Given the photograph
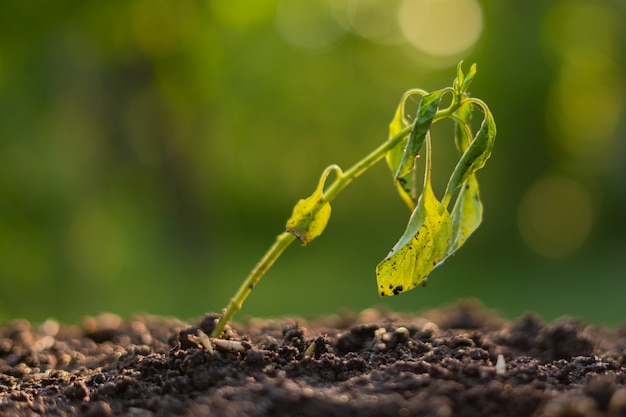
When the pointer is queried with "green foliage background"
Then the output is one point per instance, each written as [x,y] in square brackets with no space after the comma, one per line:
[150,151]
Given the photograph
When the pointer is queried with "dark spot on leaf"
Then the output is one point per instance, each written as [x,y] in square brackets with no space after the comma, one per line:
[397,290]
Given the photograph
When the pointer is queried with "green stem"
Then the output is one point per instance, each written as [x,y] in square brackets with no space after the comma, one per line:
[285,239]
[282,242]
[363,165]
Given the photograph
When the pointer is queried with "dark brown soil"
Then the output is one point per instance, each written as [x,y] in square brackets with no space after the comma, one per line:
[439,364]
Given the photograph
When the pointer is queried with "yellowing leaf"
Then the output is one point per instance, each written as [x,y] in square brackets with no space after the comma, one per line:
[310,215]
[394,157]
[422,246]
[309,218]
[433,233]
[467,214]
[406,266]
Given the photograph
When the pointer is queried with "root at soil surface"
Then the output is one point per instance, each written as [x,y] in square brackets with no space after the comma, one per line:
[375,363]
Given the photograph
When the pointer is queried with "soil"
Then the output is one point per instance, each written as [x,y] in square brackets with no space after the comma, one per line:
[377,363]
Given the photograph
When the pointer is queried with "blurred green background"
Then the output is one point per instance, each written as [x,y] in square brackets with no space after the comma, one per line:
[151,150]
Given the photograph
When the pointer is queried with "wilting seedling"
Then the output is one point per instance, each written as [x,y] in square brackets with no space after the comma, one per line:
[434,231]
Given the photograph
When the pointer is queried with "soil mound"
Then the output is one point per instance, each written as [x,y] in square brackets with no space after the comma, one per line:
[377,363]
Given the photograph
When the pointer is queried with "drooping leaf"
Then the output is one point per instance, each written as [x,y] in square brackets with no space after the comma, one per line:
[310,215]
[462,129]
[476,154]
[404,184]
[467,211]
[467,214]
[422,246]
[421,125]
[433,233]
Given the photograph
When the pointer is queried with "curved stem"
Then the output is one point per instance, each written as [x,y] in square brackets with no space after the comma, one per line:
[360,167]
[282,242]
[285,239]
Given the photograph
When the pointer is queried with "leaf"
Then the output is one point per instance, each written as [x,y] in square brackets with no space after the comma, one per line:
[310,216]
[476,154]
[423,119]
[462,81]
[394,156]
[433,233]
[468,210]
[469,77]
[467,214]
[422,246]
[462,131]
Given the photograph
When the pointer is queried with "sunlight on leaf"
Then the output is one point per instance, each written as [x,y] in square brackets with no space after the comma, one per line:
[310,216]
[467,215]
[422,246]
[468,210]
[404,184]
[433,233]
[462,81]
[423,119]
[476,154]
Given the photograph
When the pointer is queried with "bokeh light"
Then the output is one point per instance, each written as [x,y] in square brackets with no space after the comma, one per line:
[307,24]
[243,14]
[586,100]
[375,20]
[585,106]
[441,28]
[555,216]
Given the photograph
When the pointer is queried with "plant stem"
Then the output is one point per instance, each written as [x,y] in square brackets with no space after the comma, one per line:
[282,242]
[285,239]
[363,165]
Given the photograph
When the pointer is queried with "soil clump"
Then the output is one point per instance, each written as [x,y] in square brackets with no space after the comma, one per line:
[376,363]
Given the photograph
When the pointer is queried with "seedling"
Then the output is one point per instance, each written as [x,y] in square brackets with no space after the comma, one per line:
[433,232]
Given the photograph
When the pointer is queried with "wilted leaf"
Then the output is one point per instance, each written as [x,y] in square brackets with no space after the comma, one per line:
[394,157]
[423,120]
[433,233]
[476,154]
[467,215]
[422,246]
[310,216]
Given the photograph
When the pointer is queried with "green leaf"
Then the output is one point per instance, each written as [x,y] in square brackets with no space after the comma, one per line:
[467,211]
[393,157]
[467,214]
[423,244]
[476,154]
[469,77]
[423,119]
[310,216]
[462,81]
[462,130]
